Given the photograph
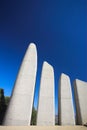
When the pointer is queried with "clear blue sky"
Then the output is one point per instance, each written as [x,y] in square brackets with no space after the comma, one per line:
[57,27]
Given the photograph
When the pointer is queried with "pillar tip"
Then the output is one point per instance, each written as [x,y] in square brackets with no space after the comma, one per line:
[32,44]
[63,74]
[45,63]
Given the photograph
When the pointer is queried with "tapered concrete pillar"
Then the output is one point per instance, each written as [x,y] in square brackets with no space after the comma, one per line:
[80,90]
[46,113]
[20,107]
[66,110]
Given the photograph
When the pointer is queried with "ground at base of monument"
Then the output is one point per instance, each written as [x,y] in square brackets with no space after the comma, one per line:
[43,128]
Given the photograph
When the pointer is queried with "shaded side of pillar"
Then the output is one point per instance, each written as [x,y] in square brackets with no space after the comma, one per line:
[46,107]
[20,107]
[80,92]
[65,104]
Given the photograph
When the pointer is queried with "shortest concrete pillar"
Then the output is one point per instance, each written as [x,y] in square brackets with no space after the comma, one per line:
[66,110]
[80,90]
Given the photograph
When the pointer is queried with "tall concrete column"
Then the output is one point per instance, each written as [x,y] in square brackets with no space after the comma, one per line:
[46,107]
[20,107]
[66,110]
[80,90]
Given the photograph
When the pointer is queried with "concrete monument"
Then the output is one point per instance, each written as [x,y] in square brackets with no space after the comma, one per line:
[46,113]
[80,90]
[20,107]
[66,111]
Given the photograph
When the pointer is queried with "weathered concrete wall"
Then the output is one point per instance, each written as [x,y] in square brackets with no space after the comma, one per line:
[65,105]
[20,107]
[80,90]
[46,107]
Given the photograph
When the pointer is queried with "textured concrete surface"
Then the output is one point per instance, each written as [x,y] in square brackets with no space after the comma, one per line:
[43,128]
[20,107]
[80,89]
[46,107]
[66,110]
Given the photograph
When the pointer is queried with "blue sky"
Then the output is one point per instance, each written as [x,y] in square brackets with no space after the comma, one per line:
[58,28]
